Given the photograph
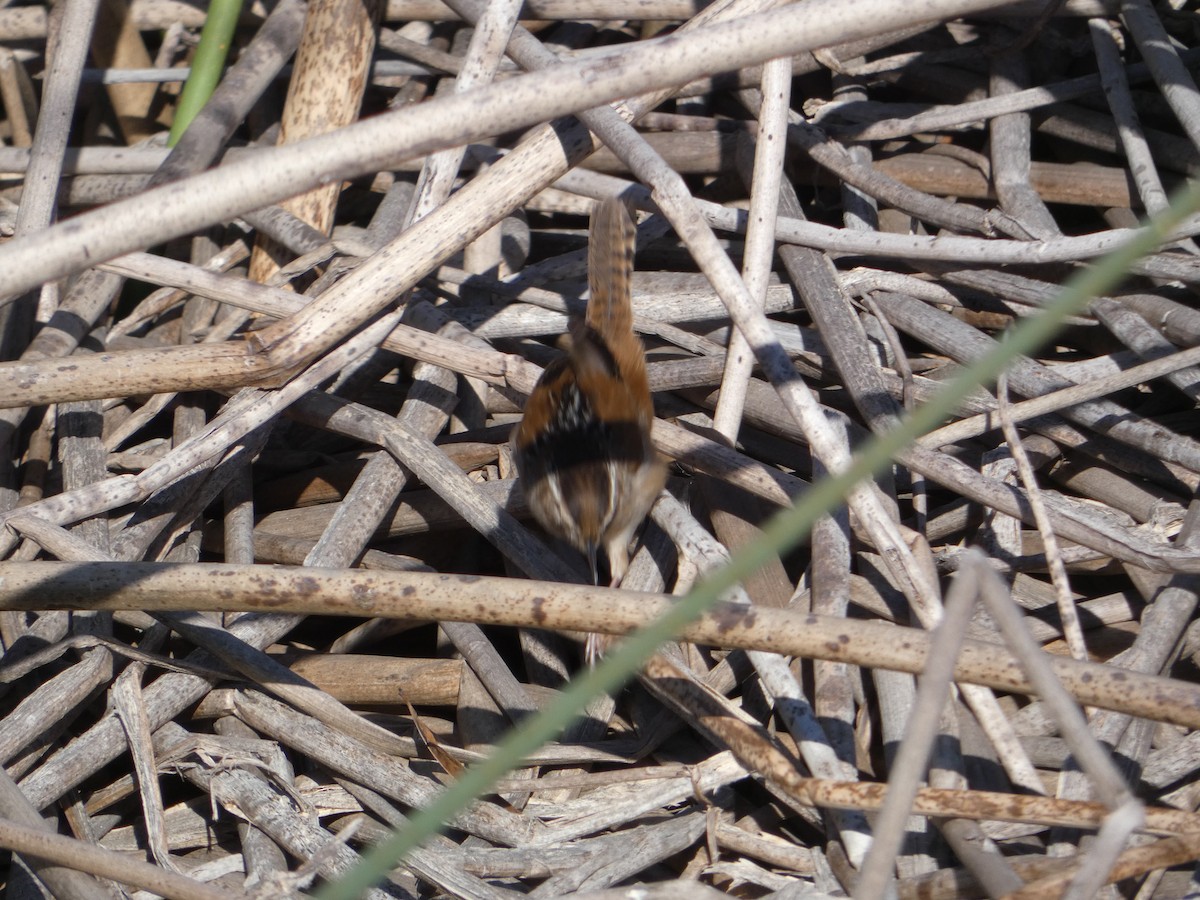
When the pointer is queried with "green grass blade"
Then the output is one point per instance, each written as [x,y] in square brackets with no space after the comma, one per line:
[784,531]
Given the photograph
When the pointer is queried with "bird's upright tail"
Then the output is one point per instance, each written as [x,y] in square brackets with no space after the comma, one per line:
[611,239]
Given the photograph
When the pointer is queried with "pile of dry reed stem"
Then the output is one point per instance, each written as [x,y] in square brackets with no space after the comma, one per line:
[303,335]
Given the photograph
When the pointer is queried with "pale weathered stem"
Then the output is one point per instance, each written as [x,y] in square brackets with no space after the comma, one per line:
[1067,612]
[912,759]
[760,236]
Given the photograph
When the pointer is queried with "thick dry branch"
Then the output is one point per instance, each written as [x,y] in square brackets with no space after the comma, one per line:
[379,142]
[497,601]
[119,867]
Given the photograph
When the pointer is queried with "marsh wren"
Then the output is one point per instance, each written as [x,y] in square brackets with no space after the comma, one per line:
[583,448]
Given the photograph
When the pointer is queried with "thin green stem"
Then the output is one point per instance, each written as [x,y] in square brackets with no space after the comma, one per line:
[207,64]
[784,531]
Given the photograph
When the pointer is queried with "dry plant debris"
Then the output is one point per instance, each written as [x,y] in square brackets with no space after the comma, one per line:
[269,579]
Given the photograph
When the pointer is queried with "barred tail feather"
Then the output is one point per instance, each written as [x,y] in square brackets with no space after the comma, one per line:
[610,271]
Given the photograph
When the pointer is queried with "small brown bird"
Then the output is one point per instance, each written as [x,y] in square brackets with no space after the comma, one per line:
[583,449]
